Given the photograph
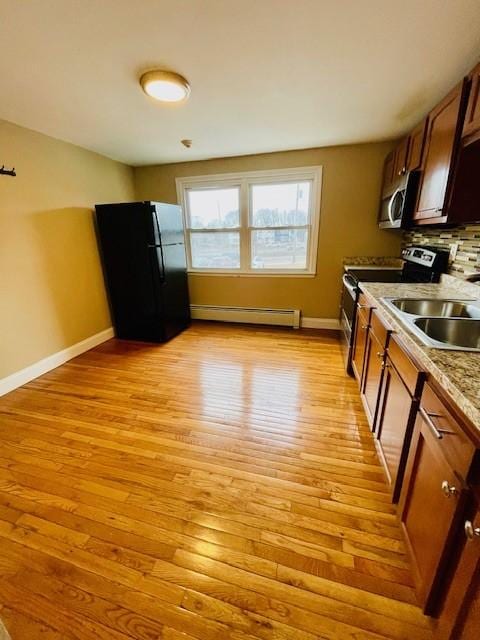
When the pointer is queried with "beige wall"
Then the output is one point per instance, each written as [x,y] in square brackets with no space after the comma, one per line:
[51,286]
[350,194]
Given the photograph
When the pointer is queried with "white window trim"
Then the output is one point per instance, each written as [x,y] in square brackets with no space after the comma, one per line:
[242,180]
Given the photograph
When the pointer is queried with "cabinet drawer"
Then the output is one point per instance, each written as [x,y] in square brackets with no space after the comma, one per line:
[379,330]
[455,444]
[404,365]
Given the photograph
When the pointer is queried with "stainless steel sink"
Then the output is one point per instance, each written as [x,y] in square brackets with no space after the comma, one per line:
[440,323]
[437,308]
[451,333]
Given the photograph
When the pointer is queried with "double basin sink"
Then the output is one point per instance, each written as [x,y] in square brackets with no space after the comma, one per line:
[443,324]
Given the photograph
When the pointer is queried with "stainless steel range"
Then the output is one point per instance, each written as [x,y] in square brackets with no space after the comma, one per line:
[421,264]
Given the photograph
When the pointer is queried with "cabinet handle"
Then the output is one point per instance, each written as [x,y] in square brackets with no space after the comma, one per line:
[439,433]
[365,326]
[448,490]
[379,354]
[439,210]
[471,532]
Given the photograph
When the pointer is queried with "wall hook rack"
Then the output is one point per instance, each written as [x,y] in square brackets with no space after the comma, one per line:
[7,172]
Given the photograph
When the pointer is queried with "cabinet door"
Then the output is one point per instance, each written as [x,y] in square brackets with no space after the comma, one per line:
[360,339]
[401,152]
[431,501]
[472,118]
[388,173]
[468,623]
[460,615]
[394,425]
[372,376]
[415,148]
[440,150]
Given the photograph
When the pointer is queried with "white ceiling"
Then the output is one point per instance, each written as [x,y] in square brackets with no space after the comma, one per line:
[266,75]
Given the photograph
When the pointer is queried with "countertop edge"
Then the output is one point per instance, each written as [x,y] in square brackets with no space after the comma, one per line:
[420,353]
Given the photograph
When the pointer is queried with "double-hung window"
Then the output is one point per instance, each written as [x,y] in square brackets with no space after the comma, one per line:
[263,222]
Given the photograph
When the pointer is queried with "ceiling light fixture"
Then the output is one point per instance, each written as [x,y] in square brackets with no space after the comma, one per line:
[165,86]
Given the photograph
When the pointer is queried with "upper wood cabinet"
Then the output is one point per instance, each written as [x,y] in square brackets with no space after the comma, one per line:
[401,153]
[415,147]
[395,166]
[471,127]
[445,149]
[388,173]
[441,147]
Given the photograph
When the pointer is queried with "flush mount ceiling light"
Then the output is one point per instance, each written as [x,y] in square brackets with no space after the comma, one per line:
[165,86]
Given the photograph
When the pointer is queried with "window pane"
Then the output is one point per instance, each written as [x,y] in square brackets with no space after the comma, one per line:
[279,249]
[275,205]
[217,250]
[214,208]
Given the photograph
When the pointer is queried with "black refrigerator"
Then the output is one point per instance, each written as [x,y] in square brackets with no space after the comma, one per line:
[143,254]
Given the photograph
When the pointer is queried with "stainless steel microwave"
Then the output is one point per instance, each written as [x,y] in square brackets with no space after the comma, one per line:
[396,209]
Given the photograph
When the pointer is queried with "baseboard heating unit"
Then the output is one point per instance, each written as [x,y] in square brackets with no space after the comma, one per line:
[282,317]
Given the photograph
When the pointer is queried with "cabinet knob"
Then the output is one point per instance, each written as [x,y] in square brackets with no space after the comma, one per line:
[471,532]
[448,490]
[365,326]
[379,354]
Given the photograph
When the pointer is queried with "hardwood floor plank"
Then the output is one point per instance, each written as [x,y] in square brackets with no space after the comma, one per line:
[221,486]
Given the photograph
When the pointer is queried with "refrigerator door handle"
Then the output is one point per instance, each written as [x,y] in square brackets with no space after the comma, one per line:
[163,265]
[160,262]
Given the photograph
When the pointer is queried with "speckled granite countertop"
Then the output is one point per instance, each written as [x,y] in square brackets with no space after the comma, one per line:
[458,372]
[369,261]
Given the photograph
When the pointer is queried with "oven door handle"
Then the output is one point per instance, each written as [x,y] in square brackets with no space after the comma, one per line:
[349,285]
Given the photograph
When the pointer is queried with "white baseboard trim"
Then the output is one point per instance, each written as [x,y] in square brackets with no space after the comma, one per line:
[23,376]
[320,323]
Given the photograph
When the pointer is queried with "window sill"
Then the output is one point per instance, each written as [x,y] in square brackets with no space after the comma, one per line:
[245,274]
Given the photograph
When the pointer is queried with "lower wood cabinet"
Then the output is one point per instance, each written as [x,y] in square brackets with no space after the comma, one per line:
[431,455]
[398,404]
[360,339]
[433,496]
[375,345]
[460,614]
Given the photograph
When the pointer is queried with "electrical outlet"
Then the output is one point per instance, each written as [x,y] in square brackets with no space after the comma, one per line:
[453,251]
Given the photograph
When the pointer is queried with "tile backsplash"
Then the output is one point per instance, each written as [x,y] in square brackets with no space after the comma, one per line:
[467,260]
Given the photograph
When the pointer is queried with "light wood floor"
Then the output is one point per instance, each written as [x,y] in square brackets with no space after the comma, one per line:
[222,486]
